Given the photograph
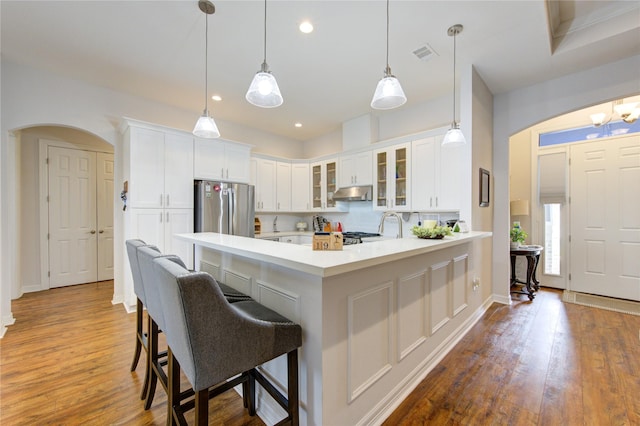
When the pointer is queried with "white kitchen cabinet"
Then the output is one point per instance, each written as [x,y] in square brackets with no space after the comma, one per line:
[158,226]
[263,177]
[160,166]
[300,187]
[217,159]
[283,186]
[356,169]
[323,185]
[436,175]
[392,178]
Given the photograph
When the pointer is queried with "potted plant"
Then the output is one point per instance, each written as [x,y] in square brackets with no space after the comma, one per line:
[518,236]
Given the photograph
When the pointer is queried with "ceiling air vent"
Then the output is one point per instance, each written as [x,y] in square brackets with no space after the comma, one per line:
[424,53]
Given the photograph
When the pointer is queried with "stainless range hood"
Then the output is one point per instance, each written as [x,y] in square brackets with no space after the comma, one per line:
[353,193]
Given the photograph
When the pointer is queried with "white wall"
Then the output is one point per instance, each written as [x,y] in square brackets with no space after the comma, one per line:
[519,109]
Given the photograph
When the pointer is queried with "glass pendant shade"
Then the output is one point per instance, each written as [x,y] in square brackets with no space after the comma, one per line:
[206,127]
[264,91]
[388,94]
[454,137]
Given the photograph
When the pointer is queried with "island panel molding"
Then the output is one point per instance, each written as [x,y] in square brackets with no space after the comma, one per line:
[369,317]
[413,319]
[460,281]
[440,292]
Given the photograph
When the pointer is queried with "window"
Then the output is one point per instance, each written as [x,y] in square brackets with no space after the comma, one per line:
[552,239]
[614,128]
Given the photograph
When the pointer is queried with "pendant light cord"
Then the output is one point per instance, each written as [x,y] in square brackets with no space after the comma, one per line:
[387,70]
[206,63]
[454,77]
[265,32]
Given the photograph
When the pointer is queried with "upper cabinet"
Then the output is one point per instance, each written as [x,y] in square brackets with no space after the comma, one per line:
[392,178]
[263,177]
[283,186]
[217,159]
[436,174]
[356,169]
[300,187]
[324,175]
[160,168]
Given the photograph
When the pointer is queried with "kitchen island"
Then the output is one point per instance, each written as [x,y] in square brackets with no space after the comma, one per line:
[376,317]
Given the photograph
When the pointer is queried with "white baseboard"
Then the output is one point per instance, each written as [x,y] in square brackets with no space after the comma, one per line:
[32,288]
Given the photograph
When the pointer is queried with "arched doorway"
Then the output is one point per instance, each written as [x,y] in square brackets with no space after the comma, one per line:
[32,209]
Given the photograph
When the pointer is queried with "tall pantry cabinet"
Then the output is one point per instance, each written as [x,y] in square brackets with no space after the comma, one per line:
[158,169]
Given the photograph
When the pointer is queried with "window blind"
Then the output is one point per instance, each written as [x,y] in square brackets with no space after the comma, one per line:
[552,178]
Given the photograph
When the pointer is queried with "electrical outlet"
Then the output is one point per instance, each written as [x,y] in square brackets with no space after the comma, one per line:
[476,283]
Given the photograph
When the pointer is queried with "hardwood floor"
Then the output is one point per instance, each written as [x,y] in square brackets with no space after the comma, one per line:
[66,362]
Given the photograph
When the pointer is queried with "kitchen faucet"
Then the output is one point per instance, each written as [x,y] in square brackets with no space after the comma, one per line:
[386,215]
[275,224]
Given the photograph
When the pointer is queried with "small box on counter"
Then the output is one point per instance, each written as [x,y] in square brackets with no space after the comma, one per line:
[327,241]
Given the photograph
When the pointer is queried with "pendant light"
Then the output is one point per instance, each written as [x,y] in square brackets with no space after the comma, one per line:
[264,91]
[454,136]
[205,126]
[389,93]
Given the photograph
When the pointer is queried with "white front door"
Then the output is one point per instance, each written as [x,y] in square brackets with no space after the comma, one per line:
[104,177]
[72,216]
[605,218]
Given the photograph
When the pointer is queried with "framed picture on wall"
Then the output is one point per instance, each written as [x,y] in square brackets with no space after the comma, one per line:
[485,180]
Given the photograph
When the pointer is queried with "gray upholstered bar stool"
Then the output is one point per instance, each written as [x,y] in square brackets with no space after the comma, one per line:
[212,341]
[142,340]
[156,321]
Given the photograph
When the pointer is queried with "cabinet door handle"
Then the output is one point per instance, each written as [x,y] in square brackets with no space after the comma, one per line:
[222,172]
[430,201]
[436,201]
[160,217]
[227,173]
[161,200]
[278,206]
[101,231]
[93,231]
[167,217]
[167,200]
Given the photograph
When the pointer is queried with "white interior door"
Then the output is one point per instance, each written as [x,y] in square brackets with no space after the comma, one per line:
[605,223]
[72,216]
[104,178]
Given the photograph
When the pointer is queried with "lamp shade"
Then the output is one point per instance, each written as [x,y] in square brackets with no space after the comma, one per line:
[519,208]
[206,127]
[264,91]
[388,94]
[454,137]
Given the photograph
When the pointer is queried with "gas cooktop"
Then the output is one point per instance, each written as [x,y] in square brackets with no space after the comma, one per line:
[356,237]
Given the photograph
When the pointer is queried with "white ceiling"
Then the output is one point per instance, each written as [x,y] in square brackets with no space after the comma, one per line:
[155,49]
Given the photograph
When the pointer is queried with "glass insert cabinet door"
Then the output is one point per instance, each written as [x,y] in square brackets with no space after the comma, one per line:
[392,168]
[316,182]
[331,184]
[381,178]
[400,177]
[323,184]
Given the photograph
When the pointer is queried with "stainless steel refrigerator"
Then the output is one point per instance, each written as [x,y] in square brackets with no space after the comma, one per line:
[223,207]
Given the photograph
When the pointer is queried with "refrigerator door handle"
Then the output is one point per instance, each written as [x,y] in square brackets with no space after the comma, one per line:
[232,203]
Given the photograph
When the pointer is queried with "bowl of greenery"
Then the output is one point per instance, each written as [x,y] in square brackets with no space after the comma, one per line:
[435,233]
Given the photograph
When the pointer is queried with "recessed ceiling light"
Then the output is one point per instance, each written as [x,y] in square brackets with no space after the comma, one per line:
[298,124]
[306,27]
[216,98]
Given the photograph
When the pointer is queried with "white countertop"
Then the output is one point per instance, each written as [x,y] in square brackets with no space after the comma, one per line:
[327,263]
